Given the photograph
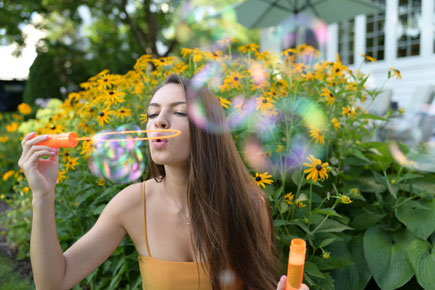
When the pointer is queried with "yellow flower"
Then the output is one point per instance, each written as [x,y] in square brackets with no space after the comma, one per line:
[8,174]
[264,104]
[2,196]
[106,80]
[317,169]
[349,111]
[61,176]
[122,113]
[24,109]
[345,199]
[402,111]
[250,47]
[315,133]
[262,178]
[26,189]
[329,97]
[335,123]
[3,233]
[4,139]
[143,118]
[101,182]
[86,148]
[326,255]
[12,127]
[71,163]
[104,116]
[396,73]
[300,204]
[232,81]
[354,191]
[224,102]
[368,57]
[289,197]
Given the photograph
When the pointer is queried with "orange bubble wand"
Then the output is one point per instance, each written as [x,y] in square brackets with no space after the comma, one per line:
[70,139]
[296,263]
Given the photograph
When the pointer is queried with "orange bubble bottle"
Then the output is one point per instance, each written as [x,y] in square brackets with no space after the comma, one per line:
[62,140]
[296,262]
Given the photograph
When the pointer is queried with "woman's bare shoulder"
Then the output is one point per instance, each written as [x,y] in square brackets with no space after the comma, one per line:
[130,197]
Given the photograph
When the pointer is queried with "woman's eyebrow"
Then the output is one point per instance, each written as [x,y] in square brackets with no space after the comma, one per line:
[171,104]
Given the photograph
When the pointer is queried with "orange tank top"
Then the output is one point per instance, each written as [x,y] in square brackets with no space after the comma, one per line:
[173,275]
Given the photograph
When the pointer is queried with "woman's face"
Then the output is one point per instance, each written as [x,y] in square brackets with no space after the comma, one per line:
[168,110]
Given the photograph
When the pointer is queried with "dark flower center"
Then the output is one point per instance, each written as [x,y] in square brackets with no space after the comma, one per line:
[319,167]
[258,178]
[264,101]
[331,95]
[337,70]
[101,114]
[111,93]
[236,78]
[53,128]
[106,80]
[122,111]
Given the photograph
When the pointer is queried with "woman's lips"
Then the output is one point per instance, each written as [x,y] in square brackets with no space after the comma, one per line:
[159,143]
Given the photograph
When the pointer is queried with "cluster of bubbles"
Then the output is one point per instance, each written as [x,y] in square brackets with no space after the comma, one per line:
[116,155]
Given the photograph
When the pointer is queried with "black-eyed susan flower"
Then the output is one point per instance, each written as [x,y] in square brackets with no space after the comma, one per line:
[12,127]
[264,104]
[61,176]
[326,255]
[101,182]
[106,80]
[143,118]
[224,102]
[104,116]
[7,175]
[317,170]
[122,113]
[86,149]
[263,178]
[329,96]
[368,57]
[300,204]
[250,47]
[24,109]
[315,133]
[345,199]
[289,197]
[349,111]
[335,123]
[71,163]
[396,73]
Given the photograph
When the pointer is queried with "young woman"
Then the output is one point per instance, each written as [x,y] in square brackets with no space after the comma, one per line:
[197,222]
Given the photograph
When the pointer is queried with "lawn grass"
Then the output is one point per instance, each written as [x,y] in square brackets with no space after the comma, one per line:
[9,280]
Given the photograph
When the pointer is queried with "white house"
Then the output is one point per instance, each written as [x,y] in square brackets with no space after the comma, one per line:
[403,37]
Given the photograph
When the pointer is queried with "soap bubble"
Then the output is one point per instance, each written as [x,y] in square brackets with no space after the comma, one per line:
[116,155]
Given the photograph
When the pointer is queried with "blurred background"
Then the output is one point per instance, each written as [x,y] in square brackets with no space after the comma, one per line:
[49,47]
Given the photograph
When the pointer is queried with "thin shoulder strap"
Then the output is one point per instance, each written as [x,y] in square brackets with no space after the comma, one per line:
[144,218]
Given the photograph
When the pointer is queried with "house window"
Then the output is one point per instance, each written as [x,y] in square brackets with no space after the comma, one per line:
[375,33]
[346,38]
[408,30]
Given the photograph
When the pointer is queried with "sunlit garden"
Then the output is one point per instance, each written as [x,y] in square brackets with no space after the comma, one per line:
[364,206]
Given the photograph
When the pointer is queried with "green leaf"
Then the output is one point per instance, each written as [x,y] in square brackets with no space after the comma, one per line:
[385,253]
[283,207]
[371,116]
[344,277]
[333,226]
[313,270]
[357,251]
[278,223]
[326,242]
[422,258]
[418,217]
[361,156]
[365,220]
[326,211]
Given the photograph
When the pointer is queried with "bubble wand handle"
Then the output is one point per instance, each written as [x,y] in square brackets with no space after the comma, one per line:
[296,263]
[62,140]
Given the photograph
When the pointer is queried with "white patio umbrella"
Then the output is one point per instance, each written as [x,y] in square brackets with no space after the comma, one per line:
[265,13]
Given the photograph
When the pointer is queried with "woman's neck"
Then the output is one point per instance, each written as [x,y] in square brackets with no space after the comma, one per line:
[175,184]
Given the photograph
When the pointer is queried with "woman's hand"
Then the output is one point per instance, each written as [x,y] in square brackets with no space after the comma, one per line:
[281,284]
[41,174]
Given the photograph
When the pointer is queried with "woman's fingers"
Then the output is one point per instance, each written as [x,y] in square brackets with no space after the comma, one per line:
[281,283]
[304,287]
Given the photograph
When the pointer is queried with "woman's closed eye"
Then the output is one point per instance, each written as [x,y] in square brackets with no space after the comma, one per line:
[150,116]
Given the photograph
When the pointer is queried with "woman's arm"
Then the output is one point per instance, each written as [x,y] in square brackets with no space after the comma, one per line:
[53,269]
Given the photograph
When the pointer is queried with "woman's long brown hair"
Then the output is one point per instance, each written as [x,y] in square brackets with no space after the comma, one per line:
[224,202]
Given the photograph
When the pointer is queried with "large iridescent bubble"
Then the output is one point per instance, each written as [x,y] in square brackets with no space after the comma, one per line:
[116,155]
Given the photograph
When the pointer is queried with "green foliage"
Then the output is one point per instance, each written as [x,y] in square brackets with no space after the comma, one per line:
[9,278]
[363,212]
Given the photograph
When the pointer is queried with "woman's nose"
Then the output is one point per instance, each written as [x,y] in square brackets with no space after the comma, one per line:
[161,123]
